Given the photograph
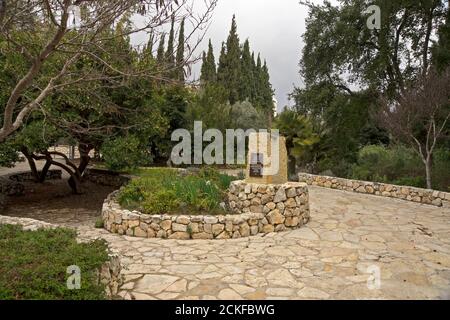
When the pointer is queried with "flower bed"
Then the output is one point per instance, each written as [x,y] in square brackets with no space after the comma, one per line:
[161,191]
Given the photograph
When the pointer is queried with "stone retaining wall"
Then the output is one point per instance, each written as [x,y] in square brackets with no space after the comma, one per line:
[280,208]
[109,274]
[425,196]
[106,177]
[28,176]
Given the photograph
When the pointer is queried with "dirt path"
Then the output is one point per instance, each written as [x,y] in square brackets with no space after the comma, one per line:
[54,202]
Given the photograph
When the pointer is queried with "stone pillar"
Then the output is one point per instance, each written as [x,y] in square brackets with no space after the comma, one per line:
[266,159]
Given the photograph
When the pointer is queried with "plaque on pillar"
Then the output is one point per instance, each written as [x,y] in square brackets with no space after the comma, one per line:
[267,159]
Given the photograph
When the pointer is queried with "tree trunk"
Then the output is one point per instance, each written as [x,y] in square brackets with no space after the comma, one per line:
[75,181]
[32,165]
[428,171]
[84,156]
[44,171]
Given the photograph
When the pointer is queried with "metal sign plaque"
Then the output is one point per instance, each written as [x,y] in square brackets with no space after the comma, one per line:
[256,165]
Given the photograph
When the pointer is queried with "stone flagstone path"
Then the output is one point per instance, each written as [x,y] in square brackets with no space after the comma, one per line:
[329,258]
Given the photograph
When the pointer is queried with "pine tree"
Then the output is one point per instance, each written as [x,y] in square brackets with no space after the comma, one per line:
[180,54]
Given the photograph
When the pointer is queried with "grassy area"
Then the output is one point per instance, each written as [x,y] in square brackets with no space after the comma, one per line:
[33,264]
[161,190]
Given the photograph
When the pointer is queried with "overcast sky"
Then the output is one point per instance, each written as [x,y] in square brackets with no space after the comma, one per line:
[274,28]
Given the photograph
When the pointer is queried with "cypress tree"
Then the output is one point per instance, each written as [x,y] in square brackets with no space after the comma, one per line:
[267,91]
[211,63]
[233,63]
[208,74]
[258,82]
[160,53]
[222,68]
[247,79]
[149,47]
[180,54]
[169,56]
[204,70]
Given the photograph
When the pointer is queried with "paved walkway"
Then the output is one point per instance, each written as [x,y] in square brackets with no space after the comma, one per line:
[349,237]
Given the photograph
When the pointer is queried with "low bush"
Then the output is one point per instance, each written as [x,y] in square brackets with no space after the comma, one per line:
[124,153]
[33,264]
[402,166]
[159,191]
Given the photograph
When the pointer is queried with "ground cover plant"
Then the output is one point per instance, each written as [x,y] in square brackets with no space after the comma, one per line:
[33,264]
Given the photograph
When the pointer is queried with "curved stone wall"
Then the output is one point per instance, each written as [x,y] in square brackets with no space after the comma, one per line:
[258,209]
[425,196]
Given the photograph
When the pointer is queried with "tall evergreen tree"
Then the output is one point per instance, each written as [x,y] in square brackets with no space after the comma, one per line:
[247,80]
[180,54]
[208,74]
[222,68]
[230,73]
[267,91]
[238,73]
[160,53]
[149,47]
[169,55]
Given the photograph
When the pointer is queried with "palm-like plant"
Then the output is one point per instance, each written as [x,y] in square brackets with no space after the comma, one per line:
[299,134]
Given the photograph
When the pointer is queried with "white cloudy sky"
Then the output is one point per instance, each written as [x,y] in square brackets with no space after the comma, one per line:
[274,28]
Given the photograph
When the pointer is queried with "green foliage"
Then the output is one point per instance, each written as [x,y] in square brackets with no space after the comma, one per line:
[180,54]
[99,224]
[38,136]
[378,63]
[400,165]
[298,132]
[33,264]
[238,73]
[208,71]
[161,191]
[243,115]
[441,172]
[441,50]
[8,154]
[124,153]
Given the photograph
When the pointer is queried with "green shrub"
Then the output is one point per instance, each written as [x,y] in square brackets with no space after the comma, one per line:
[441,169]
[124,153]
[397,165]
[160,191]
[33,264]
[99,224]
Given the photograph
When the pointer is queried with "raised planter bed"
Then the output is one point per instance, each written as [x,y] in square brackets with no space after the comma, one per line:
[256,209]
